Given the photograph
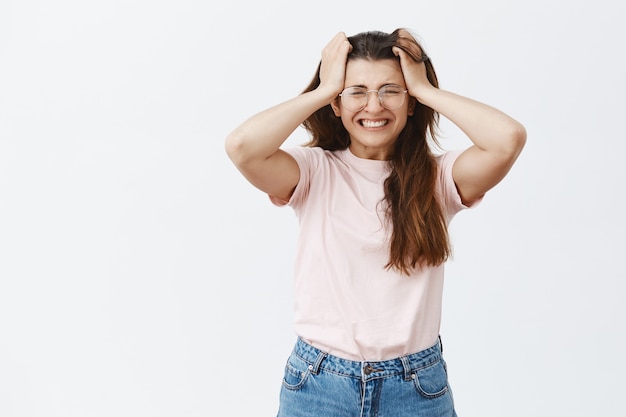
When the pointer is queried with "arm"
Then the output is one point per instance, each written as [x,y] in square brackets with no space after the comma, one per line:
[254,146]
[497,138]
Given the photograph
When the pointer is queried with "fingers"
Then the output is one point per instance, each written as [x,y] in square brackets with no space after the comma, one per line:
[413,71]
[339,44]
[334,59]
[337,48]
[406,63]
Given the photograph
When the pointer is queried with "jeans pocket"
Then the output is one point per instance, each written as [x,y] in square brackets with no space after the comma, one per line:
[432,380]
[296,374]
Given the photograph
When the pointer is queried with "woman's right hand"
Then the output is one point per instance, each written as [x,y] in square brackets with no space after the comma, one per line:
[333,65]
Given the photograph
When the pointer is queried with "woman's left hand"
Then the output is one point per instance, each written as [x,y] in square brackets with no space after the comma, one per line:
[414,73]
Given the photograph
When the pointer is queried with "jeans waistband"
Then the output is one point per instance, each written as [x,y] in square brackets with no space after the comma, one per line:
[319,360]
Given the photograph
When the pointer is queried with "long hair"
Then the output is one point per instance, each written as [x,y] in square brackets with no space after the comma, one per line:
[419,235]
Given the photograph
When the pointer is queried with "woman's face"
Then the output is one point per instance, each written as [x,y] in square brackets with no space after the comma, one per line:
[374,129]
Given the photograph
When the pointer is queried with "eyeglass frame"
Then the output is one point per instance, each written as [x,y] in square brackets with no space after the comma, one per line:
[380,99]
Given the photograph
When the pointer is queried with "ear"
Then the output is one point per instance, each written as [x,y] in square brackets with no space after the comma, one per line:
[412,105]
[335,105]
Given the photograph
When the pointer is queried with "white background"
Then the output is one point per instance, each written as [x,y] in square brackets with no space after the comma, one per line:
[140,275]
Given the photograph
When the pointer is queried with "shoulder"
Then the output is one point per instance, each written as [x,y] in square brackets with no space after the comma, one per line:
[317,169]
[307,156]
[446,159]
[311,151]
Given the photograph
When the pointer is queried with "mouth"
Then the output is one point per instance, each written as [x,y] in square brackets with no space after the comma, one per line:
[371,124]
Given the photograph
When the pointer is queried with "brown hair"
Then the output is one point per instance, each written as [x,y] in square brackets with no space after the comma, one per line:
[420,235]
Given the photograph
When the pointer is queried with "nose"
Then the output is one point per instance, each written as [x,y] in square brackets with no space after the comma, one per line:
[375,104]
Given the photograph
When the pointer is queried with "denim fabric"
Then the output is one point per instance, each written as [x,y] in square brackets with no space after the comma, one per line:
[316,384]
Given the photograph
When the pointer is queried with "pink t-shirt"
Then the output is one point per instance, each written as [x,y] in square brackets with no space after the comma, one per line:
[346,302]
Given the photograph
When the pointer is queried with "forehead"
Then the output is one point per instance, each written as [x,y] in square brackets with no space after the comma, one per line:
[373,74]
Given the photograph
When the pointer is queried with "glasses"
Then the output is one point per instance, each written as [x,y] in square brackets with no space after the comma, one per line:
[389,96]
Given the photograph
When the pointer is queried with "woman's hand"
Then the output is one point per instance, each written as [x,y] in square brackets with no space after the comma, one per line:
[333,65]
[414,72]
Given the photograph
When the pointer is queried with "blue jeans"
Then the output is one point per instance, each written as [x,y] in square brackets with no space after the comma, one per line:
[317,384]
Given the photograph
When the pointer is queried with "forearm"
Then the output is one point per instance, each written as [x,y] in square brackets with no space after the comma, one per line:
[488,128]
[262,135]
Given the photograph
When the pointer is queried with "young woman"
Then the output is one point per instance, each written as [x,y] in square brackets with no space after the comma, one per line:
[374,202]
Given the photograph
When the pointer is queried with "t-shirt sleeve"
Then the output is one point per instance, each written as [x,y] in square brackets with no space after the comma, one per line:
[451,198]
[305,158]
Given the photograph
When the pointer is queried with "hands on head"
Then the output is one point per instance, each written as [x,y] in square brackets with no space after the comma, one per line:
[411,56]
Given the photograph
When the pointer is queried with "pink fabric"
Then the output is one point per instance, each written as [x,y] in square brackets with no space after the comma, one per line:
[346,302]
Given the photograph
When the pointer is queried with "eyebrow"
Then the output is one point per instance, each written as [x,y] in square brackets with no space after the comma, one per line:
[381,86]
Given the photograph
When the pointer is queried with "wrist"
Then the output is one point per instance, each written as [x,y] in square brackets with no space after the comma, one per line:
[324,95]
[424,93]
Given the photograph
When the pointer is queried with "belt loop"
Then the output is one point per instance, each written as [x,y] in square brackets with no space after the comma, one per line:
[440,344]
[407,368]
[315,368]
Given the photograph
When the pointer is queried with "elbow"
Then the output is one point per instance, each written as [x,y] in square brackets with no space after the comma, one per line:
[515,140]
[234,147]
[231,145]
[519,136]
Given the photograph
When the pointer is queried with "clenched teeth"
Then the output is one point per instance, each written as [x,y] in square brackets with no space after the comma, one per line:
[373,123]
